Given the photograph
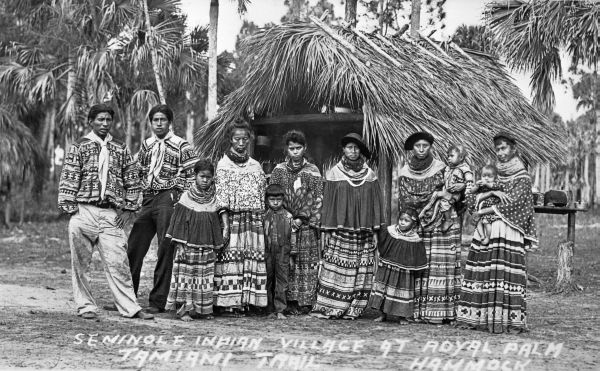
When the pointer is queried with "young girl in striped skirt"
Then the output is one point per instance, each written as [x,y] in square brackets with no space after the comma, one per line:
[401,258]
[195,232]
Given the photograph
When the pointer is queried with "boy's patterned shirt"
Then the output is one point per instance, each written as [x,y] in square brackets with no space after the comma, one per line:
[177,170]
[80,183]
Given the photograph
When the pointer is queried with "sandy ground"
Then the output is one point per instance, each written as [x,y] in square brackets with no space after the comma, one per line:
[38,328]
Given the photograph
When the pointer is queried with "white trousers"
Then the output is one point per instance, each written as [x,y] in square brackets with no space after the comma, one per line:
[93,227]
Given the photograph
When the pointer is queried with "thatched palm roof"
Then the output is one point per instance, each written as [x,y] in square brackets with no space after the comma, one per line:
[458,97]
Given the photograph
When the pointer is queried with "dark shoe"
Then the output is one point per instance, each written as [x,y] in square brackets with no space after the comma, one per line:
[143,315]
[89,315]
[154,310]
[110,307]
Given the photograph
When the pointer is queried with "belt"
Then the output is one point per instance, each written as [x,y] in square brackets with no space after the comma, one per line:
[153,192]
[104,204]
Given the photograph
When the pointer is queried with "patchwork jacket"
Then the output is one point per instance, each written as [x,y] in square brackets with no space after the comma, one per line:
[80,182]
[177,170]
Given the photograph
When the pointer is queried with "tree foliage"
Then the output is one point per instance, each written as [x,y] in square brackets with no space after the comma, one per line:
[531,34]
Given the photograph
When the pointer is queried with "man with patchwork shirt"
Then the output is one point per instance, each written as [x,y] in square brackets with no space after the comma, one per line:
[166,164]
[99,187]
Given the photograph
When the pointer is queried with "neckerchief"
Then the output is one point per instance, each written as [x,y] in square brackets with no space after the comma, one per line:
[416,164]
[103,160]
[293,168]
[201,196]
[236,158]
[158,156]
[354,165]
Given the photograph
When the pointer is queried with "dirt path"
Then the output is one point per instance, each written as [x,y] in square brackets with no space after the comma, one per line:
[39,329]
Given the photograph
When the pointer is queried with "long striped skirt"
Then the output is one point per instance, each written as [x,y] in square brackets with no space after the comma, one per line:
[493,294]
[394,290]
[346,277]
[437,289]
[240,269]
[303,273]
[192,279]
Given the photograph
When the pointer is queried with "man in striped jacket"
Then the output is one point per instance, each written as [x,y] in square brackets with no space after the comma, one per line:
[99,187]
[166,164]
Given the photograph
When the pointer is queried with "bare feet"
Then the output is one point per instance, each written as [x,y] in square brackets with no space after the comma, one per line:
[318,315]
[381,318]
[208,316]
[281,316]
[88,315]
[235,314]
[403,321]
[186,318]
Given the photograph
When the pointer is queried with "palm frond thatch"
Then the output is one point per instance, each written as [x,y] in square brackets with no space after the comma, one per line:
[465,101]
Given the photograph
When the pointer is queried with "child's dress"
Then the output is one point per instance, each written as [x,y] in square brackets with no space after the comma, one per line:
[195,232]
[486,203]
[455,175]
[401,258]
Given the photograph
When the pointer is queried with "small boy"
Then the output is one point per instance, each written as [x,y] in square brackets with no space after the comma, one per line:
[488,182]
[458,177]
[278,248]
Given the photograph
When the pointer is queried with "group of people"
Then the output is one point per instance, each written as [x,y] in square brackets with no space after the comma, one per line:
[235,242]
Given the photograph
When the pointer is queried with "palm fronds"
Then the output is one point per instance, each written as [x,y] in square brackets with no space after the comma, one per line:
[18,148]
[530,34]
[463,102]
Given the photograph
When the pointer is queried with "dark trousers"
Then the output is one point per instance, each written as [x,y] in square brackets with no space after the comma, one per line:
[278,270]
[153,219]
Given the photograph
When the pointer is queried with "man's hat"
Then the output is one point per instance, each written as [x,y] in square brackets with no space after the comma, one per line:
[356,139]
[414,138]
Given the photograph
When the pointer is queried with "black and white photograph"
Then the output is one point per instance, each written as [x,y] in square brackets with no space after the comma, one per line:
[300,185]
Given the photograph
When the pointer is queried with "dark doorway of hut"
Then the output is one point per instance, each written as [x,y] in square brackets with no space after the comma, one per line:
[323,132]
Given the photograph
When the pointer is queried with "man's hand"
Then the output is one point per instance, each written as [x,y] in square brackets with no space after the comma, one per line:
[123,218]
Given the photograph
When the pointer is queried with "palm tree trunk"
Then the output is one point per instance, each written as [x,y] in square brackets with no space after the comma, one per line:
[415,18]
[585,192]
[49,146]
[380,11]
[143,124]
[596,142]
[296,8]
[351,11]
[128,128]
[211,111]
[154,55]
[597,159]
[536,178]
[72,104]
[189,131]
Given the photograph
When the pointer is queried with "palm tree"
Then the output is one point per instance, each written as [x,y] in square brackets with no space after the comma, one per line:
[478,38]
[531,35]
[211,110]
[153,53]
[76,53]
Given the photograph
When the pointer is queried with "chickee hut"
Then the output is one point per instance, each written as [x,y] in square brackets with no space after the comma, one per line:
[328,81]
